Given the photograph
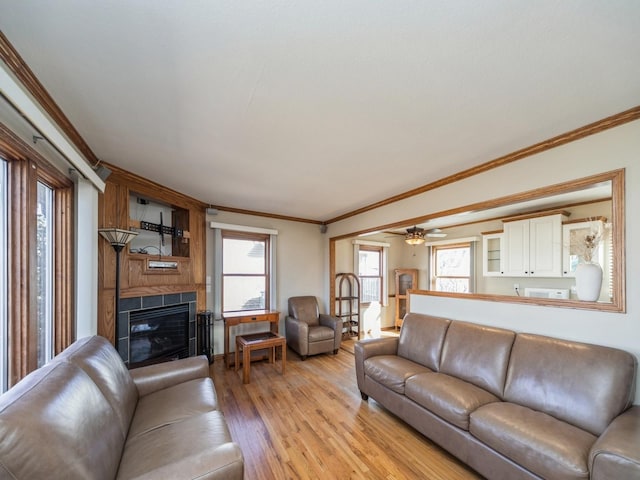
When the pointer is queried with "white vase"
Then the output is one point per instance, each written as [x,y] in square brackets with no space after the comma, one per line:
[588,281]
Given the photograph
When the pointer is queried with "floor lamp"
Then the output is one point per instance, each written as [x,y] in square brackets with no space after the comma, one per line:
[118,239]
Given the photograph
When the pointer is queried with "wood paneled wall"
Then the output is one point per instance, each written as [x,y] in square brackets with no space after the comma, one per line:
[135,278]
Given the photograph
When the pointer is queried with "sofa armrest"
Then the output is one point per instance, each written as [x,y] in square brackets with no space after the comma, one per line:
[156,377]
[297,334]
[372,347]
[616,454]
[335,324]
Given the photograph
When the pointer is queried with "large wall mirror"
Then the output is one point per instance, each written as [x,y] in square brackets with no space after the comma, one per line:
[523,248]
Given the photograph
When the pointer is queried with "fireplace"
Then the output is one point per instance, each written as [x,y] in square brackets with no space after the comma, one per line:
[157,328]
[158,334]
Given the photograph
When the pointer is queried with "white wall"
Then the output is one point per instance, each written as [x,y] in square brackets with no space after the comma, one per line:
[86,262]
[605,151]
[300,265]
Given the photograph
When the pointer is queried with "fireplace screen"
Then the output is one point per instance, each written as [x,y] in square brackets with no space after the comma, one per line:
[158,334]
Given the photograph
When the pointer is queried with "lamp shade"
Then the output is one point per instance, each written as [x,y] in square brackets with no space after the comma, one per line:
[116,236]
[414,236]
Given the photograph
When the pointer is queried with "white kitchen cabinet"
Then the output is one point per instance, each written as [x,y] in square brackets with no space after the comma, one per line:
[533,247]
[492,257]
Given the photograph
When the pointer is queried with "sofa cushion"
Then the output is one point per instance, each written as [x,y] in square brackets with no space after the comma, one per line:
[392,371]
[585,385]
[421,339]
[320,333]
[197,447]
[448,397]
[540,443]
[55,423]
[97,357]
[173,404]
[477,354]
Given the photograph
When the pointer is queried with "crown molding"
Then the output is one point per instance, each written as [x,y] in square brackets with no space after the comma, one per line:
[23,73]
[571,136]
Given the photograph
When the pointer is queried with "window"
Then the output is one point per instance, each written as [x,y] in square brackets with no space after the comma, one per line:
[451,268]
[370,265]
[370,273]
[245,271]
[44,273]
[36,261]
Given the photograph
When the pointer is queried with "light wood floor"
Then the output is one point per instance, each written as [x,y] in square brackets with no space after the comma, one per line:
[312,424]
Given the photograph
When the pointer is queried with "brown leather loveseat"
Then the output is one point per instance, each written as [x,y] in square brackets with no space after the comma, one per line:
[85,416]
[510,405]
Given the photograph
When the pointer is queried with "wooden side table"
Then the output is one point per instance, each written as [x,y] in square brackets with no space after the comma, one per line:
[236,318]
[258,341]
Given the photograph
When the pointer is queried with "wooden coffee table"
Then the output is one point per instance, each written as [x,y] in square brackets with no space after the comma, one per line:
[258,341]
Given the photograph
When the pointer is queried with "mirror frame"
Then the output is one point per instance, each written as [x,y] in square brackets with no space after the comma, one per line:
[618,303]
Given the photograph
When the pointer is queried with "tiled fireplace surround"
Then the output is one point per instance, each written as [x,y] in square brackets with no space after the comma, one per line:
[133,304]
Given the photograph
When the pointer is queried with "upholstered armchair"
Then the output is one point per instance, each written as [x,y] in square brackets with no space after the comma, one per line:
[310,332]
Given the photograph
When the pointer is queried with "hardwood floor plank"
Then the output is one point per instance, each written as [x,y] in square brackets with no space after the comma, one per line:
[312,424]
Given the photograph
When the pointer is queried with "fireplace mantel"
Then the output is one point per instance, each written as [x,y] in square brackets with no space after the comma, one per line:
[137,280]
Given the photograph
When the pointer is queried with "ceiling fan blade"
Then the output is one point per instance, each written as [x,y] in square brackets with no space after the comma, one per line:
[435,233]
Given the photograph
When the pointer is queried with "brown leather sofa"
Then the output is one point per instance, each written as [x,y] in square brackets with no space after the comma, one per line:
[510,405]
[85,416]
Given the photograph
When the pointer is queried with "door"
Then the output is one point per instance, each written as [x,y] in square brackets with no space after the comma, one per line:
[516,248]
[492,255]
[545,246]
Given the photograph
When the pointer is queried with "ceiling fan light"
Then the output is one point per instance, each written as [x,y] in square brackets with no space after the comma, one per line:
[414,236]
[414,241]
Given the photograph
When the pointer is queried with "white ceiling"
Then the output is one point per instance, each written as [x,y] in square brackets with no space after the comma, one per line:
[313,109]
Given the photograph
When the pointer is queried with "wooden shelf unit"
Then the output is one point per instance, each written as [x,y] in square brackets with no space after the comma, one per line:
[406,279]
[348,304]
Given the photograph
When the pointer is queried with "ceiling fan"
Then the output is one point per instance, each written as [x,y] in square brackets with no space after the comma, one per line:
[416,235]
[435,233]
